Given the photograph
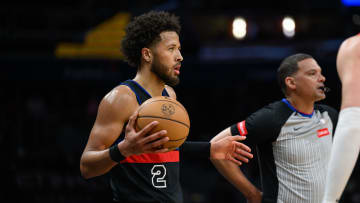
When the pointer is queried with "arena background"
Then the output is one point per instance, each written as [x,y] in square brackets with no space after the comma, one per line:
[59,58]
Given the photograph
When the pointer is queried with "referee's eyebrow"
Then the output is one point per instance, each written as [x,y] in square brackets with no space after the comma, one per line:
[314,69]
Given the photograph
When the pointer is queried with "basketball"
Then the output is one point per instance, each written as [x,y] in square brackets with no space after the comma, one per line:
[171,115]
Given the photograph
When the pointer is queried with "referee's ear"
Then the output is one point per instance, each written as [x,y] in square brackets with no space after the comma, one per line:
[290,82]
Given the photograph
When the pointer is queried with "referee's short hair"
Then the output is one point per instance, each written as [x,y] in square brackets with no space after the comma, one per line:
[288,67]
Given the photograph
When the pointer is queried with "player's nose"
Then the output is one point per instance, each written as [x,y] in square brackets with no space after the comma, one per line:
[179,57]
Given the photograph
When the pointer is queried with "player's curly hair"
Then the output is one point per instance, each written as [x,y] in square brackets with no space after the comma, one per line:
[143,31]
[289,66]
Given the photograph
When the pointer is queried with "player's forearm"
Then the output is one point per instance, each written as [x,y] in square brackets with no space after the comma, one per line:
[221,135]
[344,153]
[235,176]
[95,163]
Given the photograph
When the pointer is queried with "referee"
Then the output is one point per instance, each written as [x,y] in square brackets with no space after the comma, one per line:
[293,138]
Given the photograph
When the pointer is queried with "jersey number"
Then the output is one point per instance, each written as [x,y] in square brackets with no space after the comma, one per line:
[158,178]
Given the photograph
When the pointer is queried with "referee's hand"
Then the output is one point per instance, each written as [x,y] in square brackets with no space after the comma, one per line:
[255,198]
[230,148]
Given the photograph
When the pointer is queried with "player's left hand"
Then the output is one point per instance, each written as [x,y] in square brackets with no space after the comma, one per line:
[230,148]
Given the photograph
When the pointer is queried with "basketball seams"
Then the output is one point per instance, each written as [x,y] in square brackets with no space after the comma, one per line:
[177,122]
[165,119]
[180,105]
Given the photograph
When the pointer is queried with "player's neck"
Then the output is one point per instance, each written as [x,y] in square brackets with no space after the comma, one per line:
[301,105]
[150,82]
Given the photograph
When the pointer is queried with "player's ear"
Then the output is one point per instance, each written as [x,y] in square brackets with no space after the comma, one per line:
[146,54]
[290,82]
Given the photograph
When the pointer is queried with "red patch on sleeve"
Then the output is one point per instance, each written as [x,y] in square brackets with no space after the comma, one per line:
[242,128]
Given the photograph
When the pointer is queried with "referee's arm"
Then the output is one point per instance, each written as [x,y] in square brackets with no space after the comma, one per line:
[234,174]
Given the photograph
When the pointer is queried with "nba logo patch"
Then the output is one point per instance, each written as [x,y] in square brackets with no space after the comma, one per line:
[323,132]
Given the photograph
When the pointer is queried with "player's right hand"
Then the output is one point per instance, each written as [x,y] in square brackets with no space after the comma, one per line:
[142,142]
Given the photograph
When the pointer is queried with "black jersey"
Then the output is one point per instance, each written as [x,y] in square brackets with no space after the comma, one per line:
[146,177]
[293,150]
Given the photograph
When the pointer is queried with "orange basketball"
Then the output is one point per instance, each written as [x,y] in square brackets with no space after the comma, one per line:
[171,115]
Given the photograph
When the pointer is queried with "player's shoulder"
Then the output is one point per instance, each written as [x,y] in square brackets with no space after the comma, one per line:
[120,95]
[117,106]
[170,91]
[351,44]
[353,39]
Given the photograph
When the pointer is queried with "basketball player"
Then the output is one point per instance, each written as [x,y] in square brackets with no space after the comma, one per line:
[140,169]
[347,137]
[293,138]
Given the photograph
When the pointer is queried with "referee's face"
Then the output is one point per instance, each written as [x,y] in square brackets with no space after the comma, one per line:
[309,80]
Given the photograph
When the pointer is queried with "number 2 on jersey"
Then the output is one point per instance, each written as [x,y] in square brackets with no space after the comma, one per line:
[158,178]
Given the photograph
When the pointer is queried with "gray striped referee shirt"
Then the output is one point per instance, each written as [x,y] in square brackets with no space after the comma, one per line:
[293,150]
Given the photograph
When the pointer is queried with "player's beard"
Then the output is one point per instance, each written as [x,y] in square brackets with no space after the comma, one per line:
[162,72]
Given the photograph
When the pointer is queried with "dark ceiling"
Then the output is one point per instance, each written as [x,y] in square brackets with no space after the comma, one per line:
[37,27]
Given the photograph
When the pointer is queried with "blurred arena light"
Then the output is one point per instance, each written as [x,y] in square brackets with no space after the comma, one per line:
[288,27]
[239,28]
[351,2]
